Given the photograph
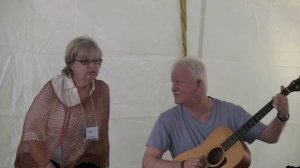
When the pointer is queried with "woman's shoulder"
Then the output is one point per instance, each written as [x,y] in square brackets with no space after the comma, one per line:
[101,84]
[48,85]
[102,88]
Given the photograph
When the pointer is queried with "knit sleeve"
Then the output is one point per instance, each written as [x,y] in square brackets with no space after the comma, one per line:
[36,119]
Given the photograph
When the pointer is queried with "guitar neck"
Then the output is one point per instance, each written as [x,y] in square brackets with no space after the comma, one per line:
[242,131]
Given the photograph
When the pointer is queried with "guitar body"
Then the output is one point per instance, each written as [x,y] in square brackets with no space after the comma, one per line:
[237,156]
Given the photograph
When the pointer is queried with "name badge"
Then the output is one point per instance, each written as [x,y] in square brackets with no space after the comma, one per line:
[91,134]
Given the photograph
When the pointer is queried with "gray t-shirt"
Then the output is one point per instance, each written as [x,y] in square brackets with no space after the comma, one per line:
[177,131]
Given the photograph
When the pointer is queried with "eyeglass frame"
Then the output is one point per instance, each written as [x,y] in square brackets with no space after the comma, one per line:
[88,62]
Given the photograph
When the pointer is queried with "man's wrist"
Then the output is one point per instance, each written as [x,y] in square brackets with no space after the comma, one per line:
[283,119]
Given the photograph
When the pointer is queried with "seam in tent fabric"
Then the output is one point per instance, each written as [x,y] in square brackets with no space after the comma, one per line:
[202,25]
[183,26]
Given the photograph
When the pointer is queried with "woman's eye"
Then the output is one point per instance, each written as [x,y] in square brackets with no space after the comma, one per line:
[85,61]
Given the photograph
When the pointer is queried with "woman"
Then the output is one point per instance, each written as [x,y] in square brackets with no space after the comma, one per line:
[67,123]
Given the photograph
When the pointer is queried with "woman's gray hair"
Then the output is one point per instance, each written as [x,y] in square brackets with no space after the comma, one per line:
[80,47]
[196,69]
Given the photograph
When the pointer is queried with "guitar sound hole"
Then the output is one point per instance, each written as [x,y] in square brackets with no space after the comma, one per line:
[215,156]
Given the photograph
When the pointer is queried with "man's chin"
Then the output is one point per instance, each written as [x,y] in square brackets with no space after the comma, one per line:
[177,101]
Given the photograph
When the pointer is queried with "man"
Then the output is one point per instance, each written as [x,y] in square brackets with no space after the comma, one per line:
[196,115]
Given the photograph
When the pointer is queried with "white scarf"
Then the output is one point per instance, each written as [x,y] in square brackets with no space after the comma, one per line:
[66,90]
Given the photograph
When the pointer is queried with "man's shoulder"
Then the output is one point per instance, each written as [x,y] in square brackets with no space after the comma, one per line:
[226,107]
[219,102]
[171,112]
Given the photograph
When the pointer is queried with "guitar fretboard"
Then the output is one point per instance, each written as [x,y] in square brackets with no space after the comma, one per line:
[241,132]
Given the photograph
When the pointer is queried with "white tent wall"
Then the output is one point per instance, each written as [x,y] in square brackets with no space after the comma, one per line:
[250,48]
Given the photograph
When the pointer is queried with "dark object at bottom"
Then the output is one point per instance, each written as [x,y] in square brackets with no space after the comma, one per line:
[87,165]
[81,165]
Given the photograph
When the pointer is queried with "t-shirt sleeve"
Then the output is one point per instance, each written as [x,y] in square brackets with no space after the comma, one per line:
[159,137]
[255,131]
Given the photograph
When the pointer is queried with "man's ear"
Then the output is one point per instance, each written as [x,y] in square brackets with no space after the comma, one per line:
[200,84]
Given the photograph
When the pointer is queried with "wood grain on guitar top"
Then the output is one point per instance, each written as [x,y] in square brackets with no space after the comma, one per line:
[237,155]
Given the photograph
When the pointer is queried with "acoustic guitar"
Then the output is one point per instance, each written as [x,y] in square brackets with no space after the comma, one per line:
[223,148]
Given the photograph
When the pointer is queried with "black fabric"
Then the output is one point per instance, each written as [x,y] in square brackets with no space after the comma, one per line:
[87,165]
[55,164]
[81,165]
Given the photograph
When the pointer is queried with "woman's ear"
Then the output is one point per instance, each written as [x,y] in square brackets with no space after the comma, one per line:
[70,67]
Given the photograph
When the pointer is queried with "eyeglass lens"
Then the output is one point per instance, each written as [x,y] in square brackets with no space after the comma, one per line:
[87,62]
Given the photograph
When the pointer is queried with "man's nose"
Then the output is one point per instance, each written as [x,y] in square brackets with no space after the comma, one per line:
[174,87]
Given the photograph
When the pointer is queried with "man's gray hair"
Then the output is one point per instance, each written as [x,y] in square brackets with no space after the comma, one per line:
[195,67]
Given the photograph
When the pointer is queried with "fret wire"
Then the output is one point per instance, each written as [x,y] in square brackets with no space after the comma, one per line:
[251,122]
[247,126]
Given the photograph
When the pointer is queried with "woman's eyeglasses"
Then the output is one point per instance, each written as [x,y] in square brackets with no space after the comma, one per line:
[88,62]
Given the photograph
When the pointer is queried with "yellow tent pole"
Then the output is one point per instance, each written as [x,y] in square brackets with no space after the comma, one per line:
[183,26]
